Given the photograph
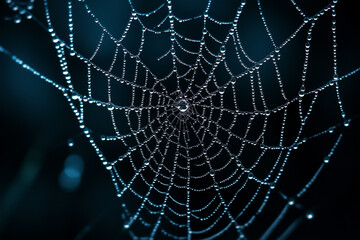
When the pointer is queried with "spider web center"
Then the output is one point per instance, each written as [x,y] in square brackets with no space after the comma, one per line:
[182,105]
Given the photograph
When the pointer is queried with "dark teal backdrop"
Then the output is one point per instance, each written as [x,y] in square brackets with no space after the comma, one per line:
[36,124]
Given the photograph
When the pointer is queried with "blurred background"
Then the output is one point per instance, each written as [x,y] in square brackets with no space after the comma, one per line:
[52,184]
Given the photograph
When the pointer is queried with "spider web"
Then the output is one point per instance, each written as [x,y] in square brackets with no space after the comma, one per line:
[193,139]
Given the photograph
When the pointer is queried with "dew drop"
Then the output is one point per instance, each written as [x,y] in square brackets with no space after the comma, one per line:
[17,19]
[310,215]
[221,90]
[146,162]
[302,92]
[238,163]
[70,143]
[110,107]
[239,227]
[222,49]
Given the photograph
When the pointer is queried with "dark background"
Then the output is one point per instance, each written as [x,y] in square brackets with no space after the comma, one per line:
[36,124]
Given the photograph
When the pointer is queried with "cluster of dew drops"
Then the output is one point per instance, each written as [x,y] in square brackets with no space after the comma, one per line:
[20,10]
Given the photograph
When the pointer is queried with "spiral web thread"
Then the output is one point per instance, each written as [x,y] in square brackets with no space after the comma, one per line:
[185,144]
